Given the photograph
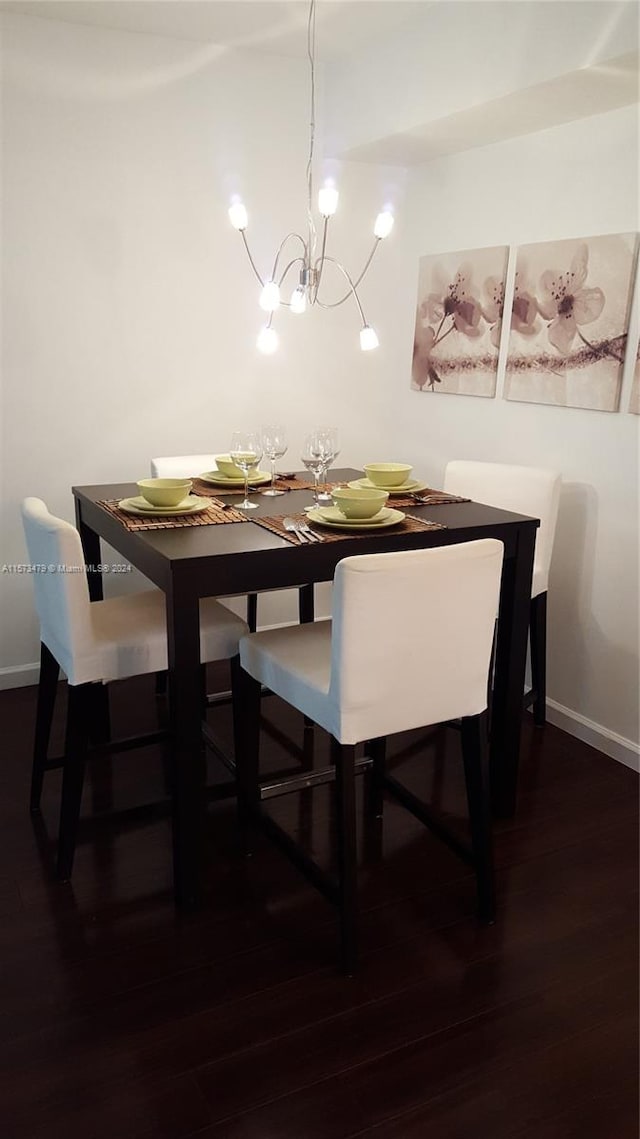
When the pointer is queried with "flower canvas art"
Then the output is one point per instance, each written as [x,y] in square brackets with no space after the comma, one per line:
[459,322]
[569,322]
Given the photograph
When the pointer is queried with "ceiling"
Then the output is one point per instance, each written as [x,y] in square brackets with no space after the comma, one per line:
[278,27]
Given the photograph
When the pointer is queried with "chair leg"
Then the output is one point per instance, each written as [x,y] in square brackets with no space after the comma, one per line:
[246,696]
[252,611]
[345,791]
[538,633]
[75,754]
[475,754]
[100,729]
[161,683]
[376,750]
[306,604]
[47,690]
[306,614]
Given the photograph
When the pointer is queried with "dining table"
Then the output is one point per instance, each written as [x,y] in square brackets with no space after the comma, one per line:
[191,562]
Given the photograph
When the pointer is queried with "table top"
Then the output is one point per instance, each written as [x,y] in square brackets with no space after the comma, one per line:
[209,554]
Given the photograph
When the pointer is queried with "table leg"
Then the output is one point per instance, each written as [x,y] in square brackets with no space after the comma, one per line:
[183,642]
[91,549]
[509,679]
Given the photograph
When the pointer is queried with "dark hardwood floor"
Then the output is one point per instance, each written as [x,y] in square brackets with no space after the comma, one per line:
[120,1018]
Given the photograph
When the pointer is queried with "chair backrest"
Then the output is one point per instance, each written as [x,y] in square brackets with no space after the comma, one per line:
[412,635]
[525,490]
[62,593]
[181,466]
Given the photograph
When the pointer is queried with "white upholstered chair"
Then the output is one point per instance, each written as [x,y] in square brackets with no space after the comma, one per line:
[409,645]
[94,642]
[525,490]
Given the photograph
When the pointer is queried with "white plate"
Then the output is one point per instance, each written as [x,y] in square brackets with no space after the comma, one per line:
[139,505]
[216,478]
[412,486]
[325,516]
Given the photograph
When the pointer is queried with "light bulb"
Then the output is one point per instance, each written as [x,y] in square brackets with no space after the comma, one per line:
[270,296]
[267,341]
[298,302]
[238,216]
[384,224]
[368,338]
[328,201]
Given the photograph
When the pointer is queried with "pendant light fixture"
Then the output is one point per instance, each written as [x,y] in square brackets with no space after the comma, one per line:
[305,271]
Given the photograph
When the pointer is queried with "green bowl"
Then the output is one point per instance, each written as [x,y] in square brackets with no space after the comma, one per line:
[388,474]
[359,503]
[164,492]
[228,468]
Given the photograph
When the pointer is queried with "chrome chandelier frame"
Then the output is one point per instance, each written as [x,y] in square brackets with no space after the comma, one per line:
[309,262]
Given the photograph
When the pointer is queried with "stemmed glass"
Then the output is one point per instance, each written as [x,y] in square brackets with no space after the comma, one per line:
[246,452]
[274,442]
[331,450]
[313,457]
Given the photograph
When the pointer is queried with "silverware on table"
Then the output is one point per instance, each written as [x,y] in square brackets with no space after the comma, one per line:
[313,535]
[292,527]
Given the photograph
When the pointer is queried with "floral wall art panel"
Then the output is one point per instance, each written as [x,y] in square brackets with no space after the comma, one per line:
[458,322]
[569,321]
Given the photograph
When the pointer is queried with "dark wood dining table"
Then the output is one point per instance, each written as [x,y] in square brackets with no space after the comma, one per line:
[221,560]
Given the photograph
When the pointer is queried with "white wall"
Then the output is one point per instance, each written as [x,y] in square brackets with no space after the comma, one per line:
[130,311]
[573,180]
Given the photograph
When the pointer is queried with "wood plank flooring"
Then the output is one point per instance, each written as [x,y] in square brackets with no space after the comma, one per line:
[119,1017]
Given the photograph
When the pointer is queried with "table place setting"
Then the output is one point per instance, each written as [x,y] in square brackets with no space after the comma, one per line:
[354,512]
[165,504]
[396,479]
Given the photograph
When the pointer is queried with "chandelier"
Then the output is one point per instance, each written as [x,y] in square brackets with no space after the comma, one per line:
[309,264]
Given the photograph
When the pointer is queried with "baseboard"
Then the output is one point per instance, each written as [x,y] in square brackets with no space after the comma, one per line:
[19,676]
[615,746]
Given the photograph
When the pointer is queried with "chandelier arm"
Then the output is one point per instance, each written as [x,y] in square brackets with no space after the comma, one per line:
[334,304]
[290,266]
[352,290]
[253,264]
[281,247]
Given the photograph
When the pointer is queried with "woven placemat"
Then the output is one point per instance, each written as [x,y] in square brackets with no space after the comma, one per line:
[436,498]
[215,514]
[410,525]
[206,489]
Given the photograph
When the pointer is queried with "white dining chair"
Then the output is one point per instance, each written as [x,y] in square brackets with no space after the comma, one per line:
[409,645]
[93,643]
[526,490]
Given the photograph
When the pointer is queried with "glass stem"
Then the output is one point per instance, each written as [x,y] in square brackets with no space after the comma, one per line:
[316,479]
[246,488]
[273,474]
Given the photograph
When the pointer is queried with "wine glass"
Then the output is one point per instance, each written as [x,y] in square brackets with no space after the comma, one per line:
[331,449]
[313,457]
[246,452]
[274,443]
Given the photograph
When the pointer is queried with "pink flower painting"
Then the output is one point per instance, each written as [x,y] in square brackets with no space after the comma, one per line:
[569,321]
[458,322]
